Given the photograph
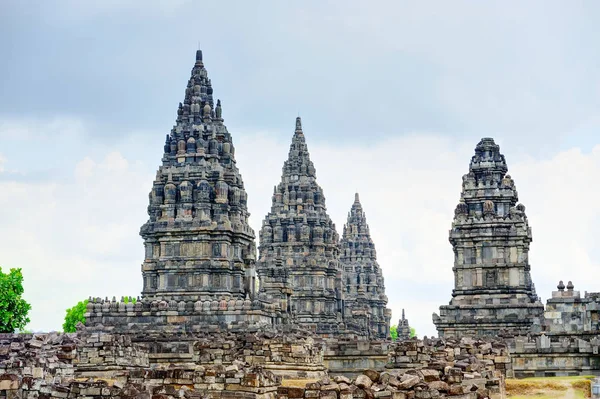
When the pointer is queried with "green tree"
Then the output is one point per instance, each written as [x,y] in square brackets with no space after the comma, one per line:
[413,332]
[13,308]
[75,315]
[394,333]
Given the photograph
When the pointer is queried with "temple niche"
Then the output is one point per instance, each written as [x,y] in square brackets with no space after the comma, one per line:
[362,283]
[299,253]
[493,291]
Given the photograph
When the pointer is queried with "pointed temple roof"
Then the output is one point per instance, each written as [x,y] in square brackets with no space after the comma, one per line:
[363,280]
[298,262]
[487,185]
[198,240]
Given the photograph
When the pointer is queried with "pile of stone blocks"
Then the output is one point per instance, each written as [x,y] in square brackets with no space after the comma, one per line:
[349,357]
[485,358]
[111,366]
[451,382]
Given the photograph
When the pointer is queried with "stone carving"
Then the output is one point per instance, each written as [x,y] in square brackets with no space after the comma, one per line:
[493,291]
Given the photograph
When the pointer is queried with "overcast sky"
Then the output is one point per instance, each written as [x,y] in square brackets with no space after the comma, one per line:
[393,95]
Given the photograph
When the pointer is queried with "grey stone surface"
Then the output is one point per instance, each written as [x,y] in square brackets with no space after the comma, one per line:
[198,241]
[569,314]
[363,284]
[299,254]
[493,291]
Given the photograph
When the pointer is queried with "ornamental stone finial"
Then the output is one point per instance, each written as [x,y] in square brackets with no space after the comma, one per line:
[298,125]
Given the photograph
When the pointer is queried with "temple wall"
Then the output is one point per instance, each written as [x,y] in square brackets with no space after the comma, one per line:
[183,316]
[541,357]
[349,358]
[436,368]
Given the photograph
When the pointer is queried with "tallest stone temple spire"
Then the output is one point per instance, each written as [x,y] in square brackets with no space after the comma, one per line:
[493,291]
[197,238]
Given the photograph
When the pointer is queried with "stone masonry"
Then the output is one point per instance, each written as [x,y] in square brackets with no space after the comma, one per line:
[236,365]
[493,291]
[363,284]
[569,314]
[299,253]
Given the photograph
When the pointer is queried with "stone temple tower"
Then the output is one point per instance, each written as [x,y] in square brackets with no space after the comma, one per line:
[197,238]
[493,292]
[363,286]
[298,264]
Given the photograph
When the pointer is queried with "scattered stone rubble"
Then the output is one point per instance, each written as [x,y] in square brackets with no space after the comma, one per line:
[110,366]
[396,384]
[251,365]
[486,357]
[432,368]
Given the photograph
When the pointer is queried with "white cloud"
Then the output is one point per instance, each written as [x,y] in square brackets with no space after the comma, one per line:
[79,237]
[75,238]
[2,162]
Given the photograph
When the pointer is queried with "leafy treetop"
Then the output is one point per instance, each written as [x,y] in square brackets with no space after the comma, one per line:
[13,308]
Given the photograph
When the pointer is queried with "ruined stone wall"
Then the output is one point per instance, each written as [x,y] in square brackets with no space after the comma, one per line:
[227,365]
[544,356]
[451,382]
[486,356]
[437,368]
[351,357]
[111,366]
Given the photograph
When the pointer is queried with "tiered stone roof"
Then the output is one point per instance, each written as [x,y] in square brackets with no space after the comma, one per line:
[493,290]
[363,284]
[198,241]
[299,251]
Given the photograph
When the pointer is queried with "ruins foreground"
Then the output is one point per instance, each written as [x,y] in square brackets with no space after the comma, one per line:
[216,320]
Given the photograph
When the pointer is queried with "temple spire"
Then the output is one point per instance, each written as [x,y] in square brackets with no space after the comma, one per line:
[363,279]
[191,192]
[306,282]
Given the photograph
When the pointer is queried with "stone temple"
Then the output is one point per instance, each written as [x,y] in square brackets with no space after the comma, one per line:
[363,285]
[200,267]
[197,239]
[300,264]
[493,291]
